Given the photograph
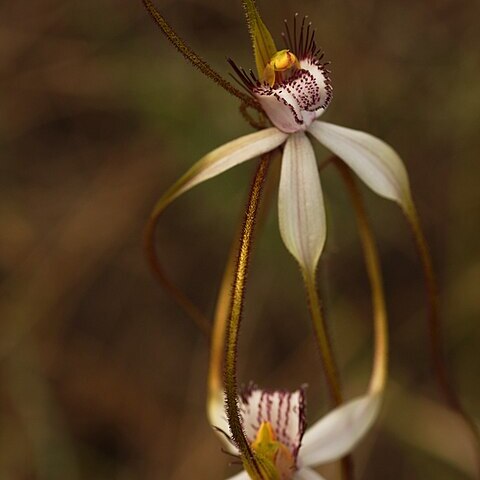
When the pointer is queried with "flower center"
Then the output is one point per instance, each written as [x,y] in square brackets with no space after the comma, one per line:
[273,456]
[280,62]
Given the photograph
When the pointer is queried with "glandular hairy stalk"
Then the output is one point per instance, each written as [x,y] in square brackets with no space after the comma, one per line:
[222,307]
[234,319]
[198,62]
[439,363]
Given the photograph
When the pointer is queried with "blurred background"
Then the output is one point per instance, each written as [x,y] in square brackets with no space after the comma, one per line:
[102,375]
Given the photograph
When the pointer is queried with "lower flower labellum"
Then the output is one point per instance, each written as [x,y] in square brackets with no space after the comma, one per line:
[274,425]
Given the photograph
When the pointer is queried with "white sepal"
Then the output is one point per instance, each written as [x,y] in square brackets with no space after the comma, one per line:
[301,210]
[375,162]
[337,433]
[223,158]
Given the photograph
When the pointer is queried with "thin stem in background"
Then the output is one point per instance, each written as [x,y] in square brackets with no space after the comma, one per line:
[234,319]
[194,58]
[192,311]
[435,329]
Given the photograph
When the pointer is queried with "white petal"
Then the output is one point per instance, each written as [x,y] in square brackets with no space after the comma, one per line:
[307,474]
[337,433]
[240,476]
[285,411]
[375,162]
[301,209]
[223,158]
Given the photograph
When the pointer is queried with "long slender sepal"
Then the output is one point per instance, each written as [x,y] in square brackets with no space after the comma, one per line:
[301,210]
[439,363]
[336,434]
[212,164]
[233,326]
[194,58]
[374,161]
[263,44]
[372,264]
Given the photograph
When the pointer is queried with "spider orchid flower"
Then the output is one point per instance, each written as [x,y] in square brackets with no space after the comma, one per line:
[294,90]
[274,424]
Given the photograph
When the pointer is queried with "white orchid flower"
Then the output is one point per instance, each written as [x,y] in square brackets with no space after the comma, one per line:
[294,92]
[274,425]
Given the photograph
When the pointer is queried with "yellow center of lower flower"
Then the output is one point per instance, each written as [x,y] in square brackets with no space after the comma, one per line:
[280,62]
[274,459]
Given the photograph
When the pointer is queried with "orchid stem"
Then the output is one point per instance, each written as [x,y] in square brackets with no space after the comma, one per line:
[326,352]
[234,319]
[435,329]
[194,58]
[372,264]
[322,337]
[221,315]
[217,347]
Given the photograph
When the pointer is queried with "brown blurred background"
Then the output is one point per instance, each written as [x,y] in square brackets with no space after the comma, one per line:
[102,376]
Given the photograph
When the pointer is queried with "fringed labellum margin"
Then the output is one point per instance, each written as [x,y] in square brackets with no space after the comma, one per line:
[294,89]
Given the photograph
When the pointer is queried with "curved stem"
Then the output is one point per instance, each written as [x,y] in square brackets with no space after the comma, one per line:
[234,318]
[372,264]
[178,296]
[435,328]
[259,124]
[195,59]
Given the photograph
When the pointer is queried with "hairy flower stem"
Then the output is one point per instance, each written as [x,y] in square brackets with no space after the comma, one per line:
[372,264]
[435,329]
[234,318]
[195,59]
[222,307]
